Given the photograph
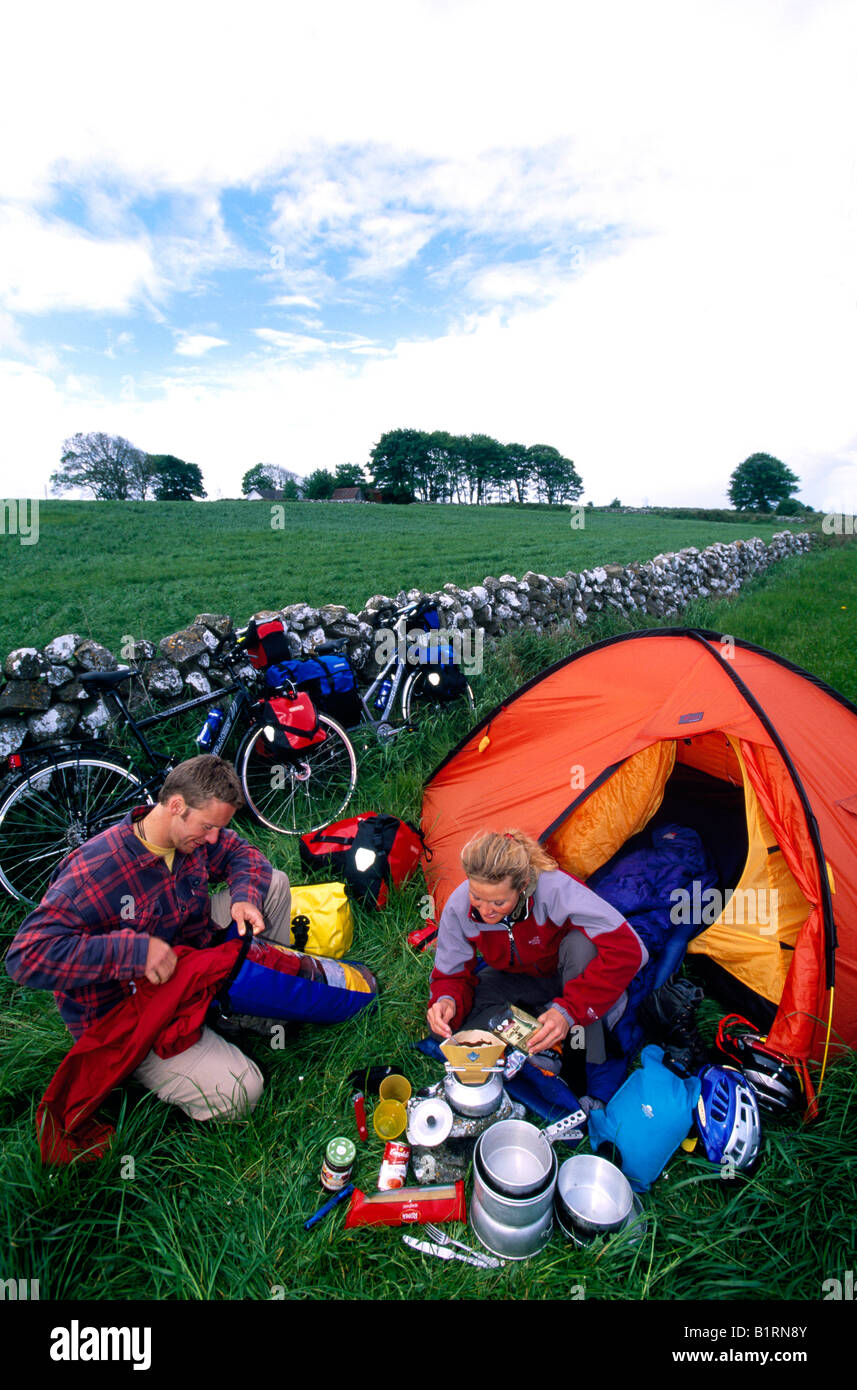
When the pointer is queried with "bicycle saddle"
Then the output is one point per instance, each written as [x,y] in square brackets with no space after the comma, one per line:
[105,680]
[330,648]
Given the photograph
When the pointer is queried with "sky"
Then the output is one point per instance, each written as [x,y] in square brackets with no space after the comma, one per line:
[271,232]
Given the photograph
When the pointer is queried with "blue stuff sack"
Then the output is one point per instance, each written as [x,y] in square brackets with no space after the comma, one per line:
[332,672]
[434,651]
[329,681]
[272,981]
[647,1119]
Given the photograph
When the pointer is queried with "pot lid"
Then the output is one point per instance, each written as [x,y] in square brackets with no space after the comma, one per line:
[429,1122]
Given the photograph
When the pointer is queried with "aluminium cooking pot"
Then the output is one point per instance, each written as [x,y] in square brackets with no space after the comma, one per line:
[515,1159]
[593,1197]
[515,1224]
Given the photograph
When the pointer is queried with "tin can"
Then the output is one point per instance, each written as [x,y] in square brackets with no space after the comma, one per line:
[394,1168]
[337,1163]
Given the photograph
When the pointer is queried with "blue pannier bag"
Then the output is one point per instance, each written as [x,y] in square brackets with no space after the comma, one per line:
[432,649]
[430,619]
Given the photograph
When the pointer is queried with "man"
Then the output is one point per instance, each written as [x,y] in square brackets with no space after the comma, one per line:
[118,905]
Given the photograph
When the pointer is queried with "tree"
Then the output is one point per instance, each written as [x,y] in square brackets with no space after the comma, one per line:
[106,464]
[398,461]
[173,480]
[319,485]
[759,482]
[556,478]
[486,464]
[520,468]
[271,476]
[349,475]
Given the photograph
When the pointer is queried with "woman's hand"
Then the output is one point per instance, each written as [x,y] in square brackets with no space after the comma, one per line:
[554,1028]
[440,1016]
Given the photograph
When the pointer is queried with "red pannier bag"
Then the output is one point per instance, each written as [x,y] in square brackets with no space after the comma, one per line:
[266,643]
[290,725]
[368,852]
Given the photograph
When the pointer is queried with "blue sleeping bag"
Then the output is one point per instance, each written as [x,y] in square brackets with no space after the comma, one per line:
[639,881]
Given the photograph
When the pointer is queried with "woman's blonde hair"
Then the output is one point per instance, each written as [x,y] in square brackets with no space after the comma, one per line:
[492,856]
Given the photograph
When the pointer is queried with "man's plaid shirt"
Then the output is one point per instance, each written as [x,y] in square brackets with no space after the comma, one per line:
[88,938]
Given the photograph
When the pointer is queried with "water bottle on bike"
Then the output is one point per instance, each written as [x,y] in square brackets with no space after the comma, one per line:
[210,729]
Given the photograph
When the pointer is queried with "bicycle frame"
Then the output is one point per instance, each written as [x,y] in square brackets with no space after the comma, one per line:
[136,726]
[402,671]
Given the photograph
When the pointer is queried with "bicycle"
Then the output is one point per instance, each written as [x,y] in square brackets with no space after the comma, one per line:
[64,793]
[419,688]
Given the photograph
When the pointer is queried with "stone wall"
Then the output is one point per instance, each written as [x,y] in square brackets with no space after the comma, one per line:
[42,698]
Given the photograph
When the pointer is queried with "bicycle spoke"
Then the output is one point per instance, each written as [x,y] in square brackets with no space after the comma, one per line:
[53,810]
[295,796]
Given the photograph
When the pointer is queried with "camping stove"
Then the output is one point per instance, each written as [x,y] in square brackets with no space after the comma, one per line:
[472,1110]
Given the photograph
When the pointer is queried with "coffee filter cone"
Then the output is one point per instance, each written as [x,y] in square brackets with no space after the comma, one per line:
[472,1054]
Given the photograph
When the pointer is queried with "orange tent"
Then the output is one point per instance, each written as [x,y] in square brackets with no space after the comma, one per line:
[755,753]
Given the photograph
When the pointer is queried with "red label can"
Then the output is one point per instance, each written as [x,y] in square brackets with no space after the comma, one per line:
[394,1168]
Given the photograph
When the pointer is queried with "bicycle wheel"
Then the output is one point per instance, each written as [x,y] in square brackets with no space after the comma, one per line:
[56,807]
[419,700]
[299,794]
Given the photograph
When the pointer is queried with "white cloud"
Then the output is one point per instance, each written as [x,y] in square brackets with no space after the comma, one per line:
[48,265]
[197,344]
[291,342]
[288,301]
[120,344]
[702,158]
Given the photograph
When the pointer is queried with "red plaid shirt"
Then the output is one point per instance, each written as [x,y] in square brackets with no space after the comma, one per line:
[89,937]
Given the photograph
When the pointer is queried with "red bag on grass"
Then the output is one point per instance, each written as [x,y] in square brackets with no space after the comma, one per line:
[368,852]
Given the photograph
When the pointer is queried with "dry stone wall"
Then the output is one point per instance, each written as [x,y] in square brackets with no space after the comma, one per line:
[42,698]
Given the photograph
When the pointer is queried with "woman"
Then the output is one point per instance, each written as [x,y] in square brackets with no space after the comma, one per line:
[552,946]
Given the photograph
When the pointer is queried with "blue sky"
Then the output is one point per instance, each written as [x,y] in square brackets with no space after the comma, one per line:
[272,234]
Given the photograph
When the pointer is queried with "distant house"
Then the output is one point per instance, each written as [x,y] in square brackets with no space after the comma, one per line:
[264,494]
[350,494]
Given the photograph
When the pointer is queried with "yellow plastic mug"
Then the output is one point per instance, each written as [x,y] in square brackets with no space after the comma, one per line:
[395,1087]
[390,1119]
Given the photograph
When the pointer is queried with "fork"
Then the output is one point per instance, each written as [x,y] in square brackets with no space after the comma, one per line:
[440,1237]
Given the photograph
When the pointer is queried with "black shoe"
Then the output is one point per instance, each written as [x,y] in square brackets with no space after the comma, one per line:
[668,1016]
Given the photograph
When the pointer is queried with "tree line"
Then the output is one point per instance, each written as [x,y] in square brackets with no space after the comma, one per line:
[436,466]
[406,465]
[116,470]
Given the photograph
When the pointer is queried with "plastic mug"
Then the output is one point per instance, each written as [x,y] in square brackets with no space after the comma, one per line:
[390,1119]
[395,1087]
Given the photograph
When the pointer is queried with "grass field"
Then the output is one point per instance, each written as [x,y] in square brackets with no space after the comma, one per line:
[217,1212]
[110,569]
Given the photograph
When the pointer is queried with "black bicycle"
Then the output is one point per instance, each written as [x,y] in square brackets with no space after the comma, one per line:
[64,793]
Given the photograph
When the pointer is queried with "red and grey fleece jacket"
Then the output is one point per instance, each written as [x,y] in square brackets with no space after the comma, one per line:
[530,946]
[89,937]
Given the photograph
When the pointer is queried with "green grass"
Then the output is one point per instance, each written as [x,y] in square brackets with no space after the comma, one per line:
[217,1212]
[113,569]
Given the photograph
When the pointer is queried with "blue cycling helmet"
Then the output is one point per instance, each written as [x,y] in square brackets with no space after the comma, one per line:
[727,1117]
